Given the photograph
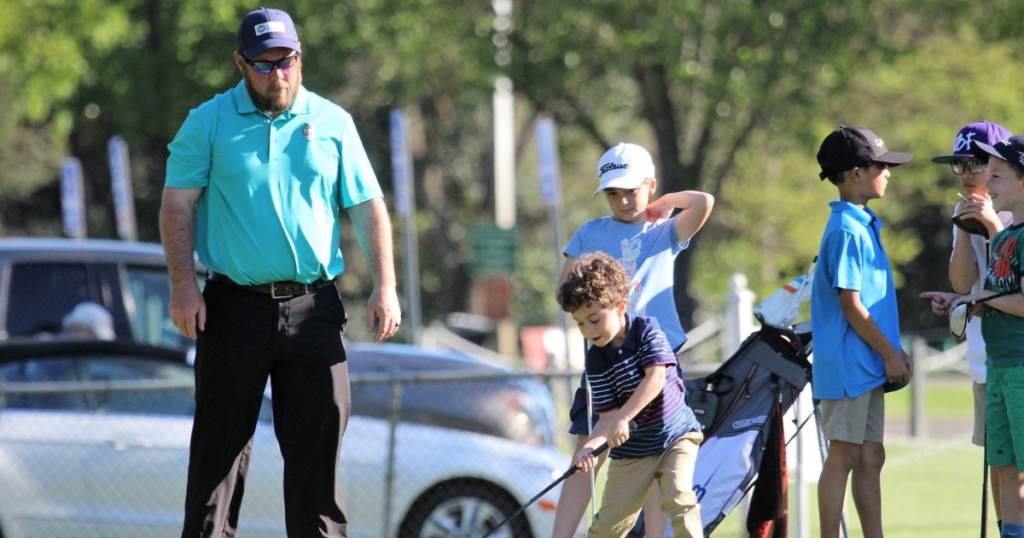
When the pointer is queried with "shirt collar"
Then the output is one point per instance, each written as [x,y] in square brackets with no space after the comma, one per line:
[864,216]
[244,104]
[632,340]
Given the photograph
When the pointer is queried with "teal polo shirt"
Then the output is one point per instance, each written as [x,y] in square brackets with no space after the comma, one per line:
[273,188]
[851,257]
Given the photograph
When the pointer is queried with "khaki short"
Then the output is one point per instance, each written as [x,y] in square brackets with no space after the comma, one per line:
[855,421]
[978,437]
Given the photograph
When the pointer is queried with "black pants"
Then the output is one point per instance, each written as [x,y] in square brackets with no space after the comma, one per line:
[297,343]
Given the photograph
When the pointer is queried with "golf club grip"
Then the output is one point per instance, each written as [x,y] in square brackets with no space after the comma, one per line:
[597,452]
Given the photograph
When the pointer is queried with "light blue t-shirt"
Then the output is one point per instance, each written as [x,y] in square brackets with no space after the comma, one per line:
[851,257]
[647,252]
[272,187]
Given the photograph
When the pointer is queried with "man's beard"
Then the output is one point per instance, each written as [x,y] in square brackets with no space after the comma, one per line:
[276,104]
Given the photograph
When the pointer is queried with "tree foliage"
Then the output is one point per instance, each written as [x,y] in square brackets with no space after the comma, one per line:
[731,96]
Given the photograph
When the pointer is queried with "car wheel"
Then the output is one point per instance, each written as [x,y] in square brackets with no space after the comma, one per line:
[464,509]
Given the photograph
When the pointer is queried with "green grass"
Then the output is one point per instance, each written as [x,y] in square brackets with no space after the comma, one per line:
[929,488]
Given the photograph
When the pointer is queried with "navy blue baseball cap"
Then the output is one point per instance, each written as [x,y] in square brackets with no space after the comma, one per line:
[983,131]
[850,147]
[1009,149]
[265,29]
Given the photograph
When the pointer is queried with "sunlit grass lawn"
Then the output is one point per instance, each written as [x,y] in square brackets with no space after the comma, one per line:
[929,488]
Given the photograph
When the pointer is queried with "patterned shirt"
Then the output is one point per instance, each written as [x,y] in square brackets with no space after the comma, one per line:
[615,373]
[647,252]
[1004,332]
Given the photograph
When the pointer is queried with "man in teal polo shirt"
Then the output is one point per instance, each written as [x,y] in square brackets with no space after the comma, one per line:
[256,180]
[856,328]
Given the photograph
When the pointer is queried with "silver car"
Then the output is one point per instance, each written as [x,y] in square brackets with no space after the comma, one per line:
[94,443]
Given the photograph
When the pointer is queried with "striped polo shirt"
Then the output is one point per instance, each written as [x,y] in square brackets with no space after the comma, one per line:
[615,373]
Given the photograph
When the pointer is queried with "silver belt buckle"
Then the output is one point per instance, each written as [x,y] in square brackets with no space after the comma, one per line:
[274,295]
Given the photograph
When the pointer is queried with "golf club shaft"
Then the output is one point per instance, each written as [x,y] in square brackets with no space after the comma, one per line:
[571,471]
[1000,294]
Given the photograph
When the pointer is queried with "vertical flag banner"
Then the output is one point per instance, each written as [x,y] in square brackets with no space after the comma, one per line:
[72,198]
[121,186]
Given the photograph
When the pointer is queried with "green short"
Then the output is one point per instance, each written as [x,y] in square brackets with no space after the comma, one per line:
[1004,416]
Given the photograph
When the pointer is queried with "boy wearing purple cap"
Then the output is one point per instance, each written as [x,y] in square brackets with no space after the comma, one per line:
[853,312]
[1002,328]
[969,260]
[644,236]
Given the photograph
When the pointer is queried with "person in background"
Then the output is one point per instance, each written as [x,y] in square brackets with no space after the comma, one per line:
[89,320]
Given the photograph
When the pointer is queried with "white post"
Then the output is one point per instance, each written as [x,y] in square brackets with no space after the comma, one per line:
[504,155]
[738,319]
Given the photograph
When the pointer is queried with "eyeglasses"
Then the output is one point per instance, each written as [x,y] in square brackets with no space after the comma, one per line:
[265,67]
[973,166]
[869,164]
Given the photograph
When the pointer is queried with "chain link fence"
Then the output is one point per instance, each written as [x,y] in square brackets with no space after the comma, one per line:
[98,447]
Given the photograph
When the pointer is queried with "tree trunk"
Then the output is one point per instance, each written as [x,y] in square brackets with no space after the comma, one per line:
[673,175]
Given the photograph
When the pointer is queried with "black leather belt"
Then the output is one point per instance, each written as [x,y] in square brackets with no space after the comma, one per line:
[276,290]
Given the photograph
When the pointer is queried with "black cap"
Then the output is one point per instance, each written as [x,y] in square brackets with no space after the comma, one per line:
[1008,149]
[849,147]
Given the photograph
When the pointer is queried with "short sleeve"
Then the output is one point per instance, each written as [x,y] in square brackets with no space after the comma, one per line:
[188,166]
[358,181]
[575,246]
[655,350]
[847,257]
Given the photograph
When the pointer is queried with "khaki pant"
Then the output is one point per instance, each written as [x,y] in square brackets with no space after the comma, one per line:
[629,479]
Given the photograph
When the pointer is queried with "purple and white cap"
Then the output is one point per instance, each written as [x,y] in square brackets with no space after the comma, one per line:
[265,29]
[983,131]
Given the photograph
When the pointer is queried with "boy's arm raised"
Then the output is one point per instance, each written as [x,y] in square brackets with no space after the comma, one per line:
[898,367]
[695,205]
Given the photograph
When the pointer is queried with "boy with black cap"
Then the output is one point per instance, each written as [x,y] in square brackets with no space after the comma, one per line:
[853,310]
[1003,328]
[976,221]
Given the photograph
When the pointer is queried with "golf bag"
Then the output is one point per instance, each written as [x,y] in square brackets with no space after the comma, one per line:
[740,406]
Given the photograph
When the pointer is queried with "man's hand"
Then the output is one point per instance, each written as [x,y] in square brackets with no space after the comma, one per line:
[383,305]
[188,310]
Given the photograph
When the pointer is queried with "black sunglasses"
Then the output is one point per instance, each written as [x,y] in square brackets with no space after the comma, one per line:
[973,166]
[265,67]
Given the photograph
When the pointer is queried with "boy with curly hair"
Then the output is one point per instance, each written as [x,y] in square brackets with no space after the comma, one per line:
[632,370]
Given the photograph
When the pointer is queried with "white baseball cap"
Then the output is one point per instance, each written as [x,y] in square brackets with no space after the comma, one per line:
[626,166]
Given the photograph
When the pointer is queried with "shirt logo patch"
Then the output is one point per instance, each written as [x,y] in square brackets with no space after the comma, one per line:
[269,26]
[308,132]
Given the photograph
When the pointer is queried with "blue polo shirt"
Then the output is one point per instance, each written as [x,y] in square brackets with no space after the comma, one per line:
[273,188]
[851,257]
[615,373]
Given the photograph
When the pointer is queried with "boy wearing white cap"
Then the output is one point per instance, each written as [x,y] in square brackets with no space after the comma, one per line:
[644,236]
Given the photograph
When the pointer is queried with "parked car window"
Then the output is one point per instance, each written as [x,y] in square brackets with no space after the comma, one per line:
[179,402]
[42,371]
[150,290]
[42,293]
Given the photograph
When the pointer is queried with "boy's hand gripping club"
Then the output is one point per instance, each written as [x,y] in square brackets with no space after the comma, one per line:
[571,471]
